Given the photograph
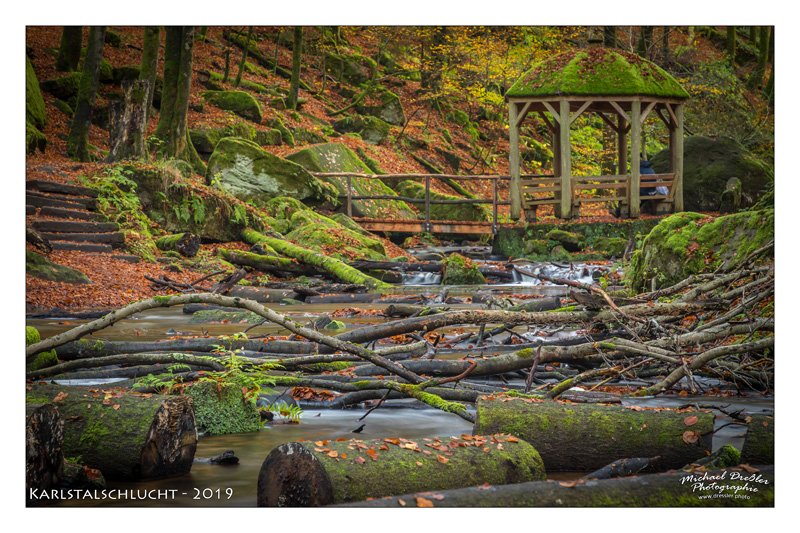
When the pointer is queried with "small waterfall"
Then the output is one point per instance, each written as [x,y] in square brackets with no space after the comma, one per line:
[422,278]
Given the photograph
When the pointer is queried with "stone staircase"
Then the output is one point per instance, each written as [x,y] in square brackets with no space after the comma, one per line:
[66,216]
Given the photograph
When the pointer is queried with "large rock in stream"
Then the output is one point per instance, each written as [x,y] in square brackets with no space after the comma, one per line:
[337,157]
[243,169]
[708,164]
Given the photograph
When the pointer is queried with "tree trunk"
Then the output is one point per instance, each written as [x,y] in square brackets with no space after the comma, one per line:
[731,44]
[587,436]
[610,36]
[759,443]
[297,55]
[69,51]
[227,72]
[335,268]
[187,244]
[757,78]
[666,54]
[78,140]
[149,66]
[44,436]
[172,127]
[327,472]
[145,437]
[128,123]
[265,263]
[645,41]
[244,57]
[653,490]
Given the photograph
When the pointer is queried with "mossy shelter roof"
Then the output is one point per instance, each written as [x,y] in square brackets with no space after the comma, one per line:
[597,72]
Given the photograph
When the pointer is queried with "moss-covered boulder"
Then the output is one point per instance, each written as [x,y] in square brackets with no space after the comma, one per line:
[34,139]
[205,138]
[337,157]
[690,243]
[125,73]
[318,232]
[475,212]
[372,129]
[460,270]
[708,164]
[538,248]
[65,87]
[39,266]
[250,173]
[385,105]
[220,408]
[610,246]
[239,102]
[286,134]
[353,69]
[42,359]
[34,103]
[572,242]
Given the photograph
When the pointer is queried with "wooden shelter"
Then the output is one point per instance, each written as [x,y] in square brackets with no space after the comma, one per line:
[623,89]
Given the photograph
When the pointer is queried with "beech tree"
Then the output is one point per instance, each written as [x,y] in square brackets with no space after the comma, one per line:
[78,139]
[172,128]
[149,67]
[297,54]
[69,51]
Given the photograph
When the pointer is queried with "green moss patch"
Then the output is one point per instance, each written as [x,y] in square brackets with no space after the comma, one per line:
[39,266]
[460,270]
[239,102]
[221,408]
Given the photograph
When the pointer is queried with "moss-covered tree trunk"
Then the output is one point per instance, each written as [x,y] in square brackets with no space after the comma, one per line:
[44,437]
[297,55]
[78,140]
[645,44]
[312,474]
[238,80]
[757,77]
[128,124]
[337,269]
[759,443]
[172,123]
[582,437]
[149,67]
[69,51]
[672,489]
[265,263]
[731,44]
[125,435]
[187,244]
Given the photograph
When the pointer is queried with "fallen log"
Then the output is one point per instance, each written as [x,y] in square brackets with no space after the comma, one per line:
[309,474]
[589,436]
[206,362]
[127,436]
[187,244]
[44,437]
[261,294]
[671,489]
[265,263]
[333,267]
[759,442]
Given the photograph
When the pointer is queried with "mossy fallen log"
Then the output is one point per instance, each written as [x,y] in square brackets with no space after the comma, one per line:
[187,244]
[125,435]
[672,489]
[335,268]
[44,437]
[759,443]
[589,436]
[311,474]
[265,263]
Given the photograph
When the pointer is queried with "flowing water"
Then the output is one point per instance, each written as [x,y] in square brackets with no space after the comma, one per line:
[397,418]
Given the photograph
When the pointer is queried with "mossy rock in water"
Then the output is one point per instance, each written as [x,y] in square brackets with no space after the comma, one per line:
[239,102]
[220,408]
[39,266]
[690,243]
[597,72]
[372,129]
[460,270]
[708,164]
[335,325]
[41,359]
[538,247]
[385,105]
[34,103]
[205,138]
[354,69]
[610,246]
[337,157]
[250,173]
[318,232]
[572,242]
[475,212]
[34,139]
[65,87]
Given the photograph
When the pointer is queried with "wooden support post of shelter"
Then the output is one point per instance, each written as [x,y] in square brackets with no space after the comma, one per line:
[603,81]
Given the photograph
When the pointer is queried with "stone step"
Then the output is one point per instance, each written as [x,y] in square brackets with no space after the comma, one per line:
[60,188]
[68,226]
[60,212]
[77,247]
[30,210]
[105,238]
[68,202]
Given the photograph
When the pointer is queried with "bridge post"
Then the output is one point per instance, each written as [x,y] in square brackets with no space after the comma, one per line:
[350,196]
[565,159]
[676,145]
[636,153]
[513,161]
[428,226]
